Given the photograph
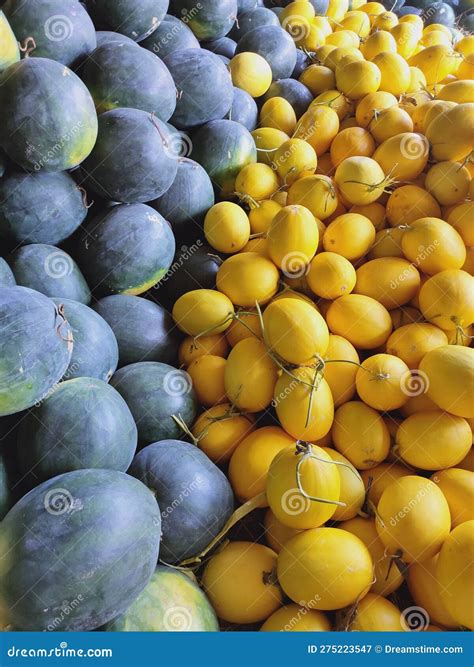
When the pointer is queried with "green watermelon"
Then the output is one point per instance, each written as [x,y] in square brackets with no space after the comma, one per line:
[35,348]
[224,46]
[7,279]
[148,85]
[223,148]
[84,423]
[171,35]
[62,29]
[155,392]
[127,250]
[110,37]
[95,352]
[131,161]
[244,109]
[77,550]
[275,45]
[295,92]
[171,602]
[9,51]
[254,18]
[50,271]
[38,130]
[134,18]
[205,90]
[40,207]
[210,19]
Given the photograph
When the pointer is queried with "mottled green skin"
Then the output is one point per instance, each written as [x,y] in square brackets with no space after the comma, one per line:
[9,51]
[122,75]
[244,109]
[7,279]
[205,90]
[38,130]
[134,19]
[131,161]
[95,352]
[224,46]
[84,423]
[62,29]
[87,540]
[40,207]
[170,36]
[275,45]
[254,18]
[49,270]
[144,330]
[295,92]
[127,250]
[171,602]
[155,392]
[110,37]
[34,353]
[194,496]
[212,19]
[215,142]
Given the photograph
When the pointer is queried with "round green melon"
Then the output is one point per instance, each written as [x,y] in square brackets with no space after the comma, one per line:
[110,37]
[148,85]
[127,250]
[131,161]
[95,352]
[84,423]
[77,550]
[171,602]
[9,51]
[210,19]
[204,86]
[38,128]
[49,270]
[40,207]
[171,35]
[294,92]
[134,18]
[244,109]
[275,45]
[155,392]
[223,148]
[62,29]
[254,18]
[35,348]
[7,279]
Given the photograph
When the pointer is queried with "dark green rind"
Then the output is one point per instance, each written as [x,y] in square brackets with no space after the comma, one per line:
[188,199]
[9,51]
[95,353]
[207,19]
[135,19]
[131,161]
[49,270]
[35,348]
[121,75]
[110,37]
[7,279]
[255,18]
[62,29]
[5,496]
[195,266]
[170,36]
[223,148]
[244,109]
[224,46]
[38,130]
[171,602]
[275,45]
[78,550]
[302,62]
[154,392]
[127,250]
[205,90]
[40,207]
[84,423]
[144,330]
[246,5]
[3,163]
[194,496]
[295,92]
